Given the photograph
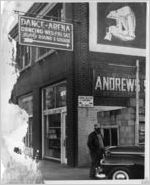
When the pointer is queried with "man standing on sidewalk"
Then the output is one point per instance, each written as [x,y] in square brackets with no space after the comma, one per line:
[96,147]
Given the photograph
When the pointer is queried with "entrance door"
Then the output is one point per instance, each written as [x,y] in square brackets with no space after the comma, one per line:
[54,135]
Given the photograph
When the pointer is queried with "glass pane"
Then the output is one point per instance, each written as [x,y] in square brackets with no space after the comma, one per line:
[49,98]
[61,95]
[27,55]
[54,120]
[106,137]
[142,132]
[114,138]
[52,135]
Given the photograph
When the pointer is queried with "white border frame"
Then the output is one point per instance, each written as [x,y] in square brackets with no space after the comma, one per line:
[94,46]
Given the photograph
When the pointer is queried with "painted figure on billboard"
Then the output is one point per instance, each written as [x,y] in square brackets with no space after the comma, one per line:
[125,24]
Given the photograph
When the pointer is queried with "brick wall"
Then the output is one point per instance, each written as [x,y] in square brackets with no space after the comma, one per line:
[86,119]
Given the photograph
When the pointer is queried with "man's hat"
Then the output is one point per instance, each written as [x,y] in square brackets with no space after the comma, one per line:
[96,125]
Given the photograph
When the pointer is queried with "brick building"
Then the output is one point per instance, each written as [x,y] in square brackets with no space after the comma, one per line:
[52,81]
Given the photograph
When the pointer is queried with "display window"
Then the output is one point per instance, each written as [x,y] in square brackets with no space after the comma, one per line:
[54,96]
[54,122]
[49,98]
[142,132]
[61,95]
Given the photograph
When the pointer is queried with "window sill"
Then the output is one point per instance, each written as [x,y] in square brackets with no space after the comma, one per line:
[44,55]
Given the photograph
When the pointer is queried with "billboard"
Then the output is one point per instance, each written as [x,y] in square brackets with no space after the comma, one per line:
[45,33]
[118,27]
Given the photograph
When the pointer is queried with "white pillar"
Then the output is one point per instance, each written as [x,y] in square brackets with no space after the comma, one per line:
[137,104]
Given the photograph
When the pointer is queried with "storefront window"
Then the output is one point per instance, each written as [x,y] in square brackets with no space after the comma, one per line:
[61,95]
[49,98]
[54,96]
[142,132]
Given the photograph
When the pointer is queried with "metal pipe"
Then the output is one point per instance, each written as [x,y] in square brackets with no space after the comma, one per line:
[137,104]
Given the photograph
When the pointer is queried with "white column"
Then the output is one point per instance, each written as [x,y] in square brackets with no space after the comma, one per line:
[137,104]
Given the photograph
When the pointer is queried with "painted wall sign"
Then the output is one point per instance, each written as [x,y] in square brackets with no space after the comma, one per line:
[45,33]
[118,28]
[123,86]
[85,101]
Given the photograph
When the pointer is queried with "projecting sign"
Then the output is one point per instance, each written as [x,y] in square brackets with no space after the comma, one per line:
[85,101]
[45,33]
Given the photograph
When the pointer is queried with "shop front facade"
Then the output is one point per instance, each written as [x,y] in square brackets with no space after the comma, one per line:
[115,103]
[51,82]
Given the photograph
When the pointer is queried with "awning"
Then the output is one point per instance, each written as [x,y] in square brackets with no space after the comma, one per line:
[108,108]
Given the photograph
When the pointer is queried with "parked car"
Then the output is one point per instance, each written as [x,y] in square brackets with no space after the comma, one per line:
[122,162]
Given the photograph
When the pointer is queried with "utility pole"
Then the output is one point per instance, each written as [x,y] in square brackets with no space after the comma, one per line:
[137,104]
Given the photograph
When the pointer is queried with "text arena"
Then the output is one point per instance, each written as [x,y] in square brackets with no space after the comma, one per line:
[45,33]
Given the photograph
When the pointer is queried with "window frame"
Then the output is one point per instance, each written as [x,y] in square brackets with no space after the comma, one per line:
[28,97]
[109,127]
[50,51]
[55,86]
[141,123]
[22,66]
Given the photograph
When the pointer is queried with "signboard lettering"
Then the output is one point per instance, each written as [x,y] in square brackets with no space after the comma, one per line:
[85,101]
[45,33]
[105,83]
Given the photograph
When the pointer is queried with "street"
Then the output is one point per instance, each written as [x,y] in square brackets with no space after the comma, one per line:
[55,171]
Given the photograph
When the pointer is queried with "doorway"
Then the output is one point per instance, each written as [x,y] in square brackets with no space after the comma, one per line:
[54,135]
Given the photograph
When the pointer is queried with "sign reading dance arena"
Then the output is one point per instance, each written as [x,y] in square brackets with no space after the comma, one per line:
[118,28]
[45,33]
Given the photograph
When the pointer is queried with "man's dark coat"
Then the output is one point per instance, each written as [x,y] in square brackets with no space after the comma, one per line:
[94,146]
[96,152]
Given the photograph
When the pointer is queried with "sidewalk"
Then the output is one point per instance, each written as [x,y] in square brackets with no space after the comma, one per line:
[55,171]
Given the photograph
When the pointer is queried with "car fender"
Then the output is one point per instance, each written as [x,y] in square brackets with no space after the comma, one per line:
[116,162]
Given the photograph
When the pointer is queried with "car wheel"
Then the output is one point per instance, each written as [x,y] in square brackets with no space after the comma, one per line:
[120,174]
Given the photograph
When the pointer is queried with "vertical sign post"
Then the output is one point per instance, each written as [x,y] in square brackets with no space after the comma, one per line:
[137,104]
